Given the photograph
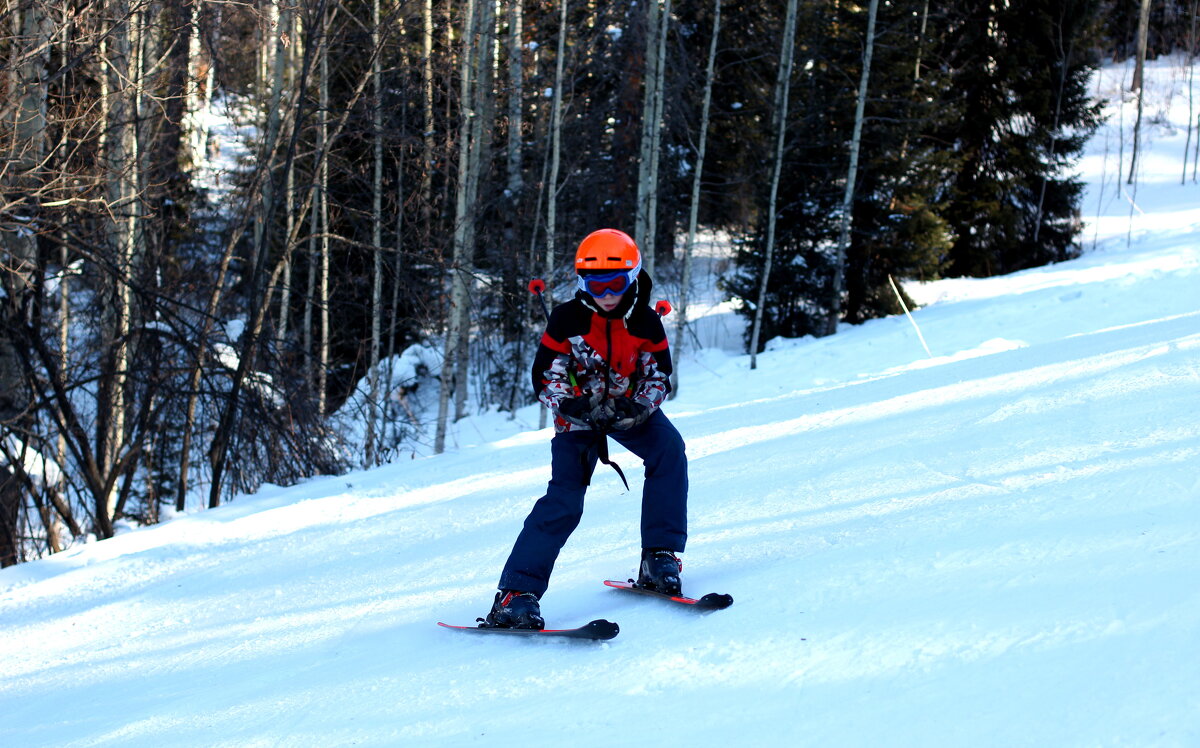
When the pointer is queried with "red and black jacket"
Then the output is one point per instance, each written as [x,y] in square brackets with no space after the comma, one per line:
[585,351]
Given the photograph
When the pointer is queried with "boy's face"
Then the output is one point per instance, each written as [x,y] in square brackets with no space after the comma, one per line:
[609,302]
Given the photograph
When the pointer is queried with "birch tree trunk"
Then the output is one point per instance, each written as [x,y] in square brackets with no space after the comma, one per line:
[462,216]
[647,202]
[782,86]
[516,84]
[279,84]
[515,182]
[120,159]
[376,239]
[1191,94]
[847,217]
[555,143]
[482,116]
[660,78]
[1138,83]
[308,334]
[921,41]
[394,306]
[427,138]
[196,95]
[322,302]
[685,286]
[550,183]
[268,80]
[64,352]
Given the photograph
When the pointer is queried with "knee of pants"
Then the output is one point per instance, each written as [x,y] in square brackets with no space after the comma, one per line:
[558,512]
[670,453]
[562,525]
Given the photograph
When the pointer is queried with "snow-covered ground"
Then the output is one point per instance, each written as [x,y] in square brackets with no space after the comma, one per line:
[997,545]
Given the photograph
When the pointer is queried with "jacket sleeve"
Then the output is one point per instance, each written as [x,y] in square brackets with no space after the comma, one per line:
[654,381]
[552,362]
[551,376]
[654,366]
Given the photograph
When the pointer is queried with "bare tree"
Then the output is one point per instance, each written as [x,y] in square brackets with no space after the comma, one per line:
[646,225]
[1138,84]
[847,216]
[321,199]
[1191,44]
[24,117]
[429,128]
[473,95]
[551,165]
[694,210]
[376,236]
[516,83]
[121,164]
[261,277]
[556,117]
[782,86]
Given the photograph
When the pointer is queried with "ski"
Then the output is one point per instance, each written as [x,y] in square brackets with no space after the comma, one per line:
[711,601]
[598,630]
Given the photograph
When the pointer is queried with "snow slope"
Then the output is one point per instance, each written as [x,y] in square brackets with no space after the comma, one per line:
[989,547]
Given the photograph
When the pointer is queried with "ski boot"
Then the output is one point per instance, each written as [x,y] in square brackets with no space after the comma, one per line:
[660,571]
[516,610]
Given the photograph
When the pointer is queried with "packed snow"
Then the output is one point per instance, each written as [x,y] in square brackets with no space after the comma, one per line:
[993,544]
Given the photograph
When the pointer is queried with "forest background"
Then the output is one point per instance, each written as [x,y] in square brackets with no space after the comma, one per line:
[175,333]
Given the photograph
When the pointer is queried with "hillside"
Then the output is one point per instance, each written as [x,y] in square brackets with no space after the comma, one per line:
[996,545]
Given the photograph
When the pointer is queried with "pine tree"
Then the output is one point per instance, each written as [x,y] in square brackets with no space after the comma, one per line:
[1020,84]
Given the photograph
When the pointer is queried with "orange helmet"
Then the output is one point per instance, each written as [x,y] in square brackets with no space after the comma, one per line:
[608,249]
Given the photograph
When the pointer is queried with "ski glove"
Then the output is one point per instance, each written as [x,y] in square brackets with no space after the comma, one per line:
[629,413]
[582,411]
[617,414]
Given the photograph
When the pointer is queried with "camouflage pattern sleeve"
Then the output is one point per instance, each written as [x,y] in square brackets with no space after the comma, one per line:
[654,382]
[555,380]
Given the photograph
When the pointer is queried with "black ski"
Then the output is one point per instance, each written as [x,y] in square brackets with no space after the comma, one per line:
[711,601]
[598,630]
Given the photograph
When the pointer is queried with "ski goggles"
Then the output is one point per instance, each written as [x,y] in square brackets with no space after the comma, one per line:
[614,283]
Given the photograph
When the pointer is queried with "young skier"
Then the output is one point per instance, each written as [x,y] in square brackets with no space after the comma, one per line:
[602,368]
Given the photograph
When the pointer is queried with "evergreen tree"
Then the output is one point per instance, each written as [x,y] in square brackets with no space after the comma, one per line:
[897,227]
[1020,73]
[798,286]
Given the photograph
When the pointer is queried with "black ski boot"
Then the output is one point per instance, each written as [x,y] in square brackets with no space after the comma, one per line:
[660,571]
[516,610]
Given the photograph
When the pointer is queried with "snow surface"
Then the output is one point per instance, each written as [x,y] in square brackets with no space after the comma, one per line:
[991,546]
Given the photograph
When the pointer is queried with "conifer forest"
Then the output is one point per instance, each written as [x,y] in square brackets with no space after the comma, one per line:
[229,229]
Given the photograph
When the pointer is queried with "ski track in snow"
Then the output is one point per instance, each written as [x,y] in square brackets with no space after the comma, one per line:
[995,546]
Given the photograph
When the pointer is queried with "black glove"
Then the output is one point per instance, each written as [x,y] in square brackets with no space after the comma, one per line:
[577,410]
[628,413]
[591,412]
[594,412]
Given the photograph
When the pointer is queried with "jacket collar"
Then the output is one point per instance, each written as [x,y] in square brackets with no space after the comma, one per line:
[637,295]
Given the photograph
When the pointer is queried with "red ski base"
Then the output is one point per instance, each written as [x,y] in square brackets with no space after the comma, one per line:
[711,601]
[598,630]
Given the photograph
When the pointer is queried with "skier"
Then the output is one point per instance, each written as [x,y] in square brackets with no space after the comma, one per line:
[602,368]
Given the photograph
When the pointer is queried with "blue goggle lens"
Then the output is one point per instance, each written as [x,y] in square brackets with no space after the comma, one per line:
[613,284]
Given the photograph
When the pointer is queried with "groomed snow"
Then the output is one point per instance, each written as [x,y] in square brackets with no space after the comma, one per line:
[995,546]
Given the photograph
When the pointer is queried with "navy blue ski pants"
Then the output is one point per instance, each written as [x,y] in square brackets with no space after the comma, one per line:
[555,516]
